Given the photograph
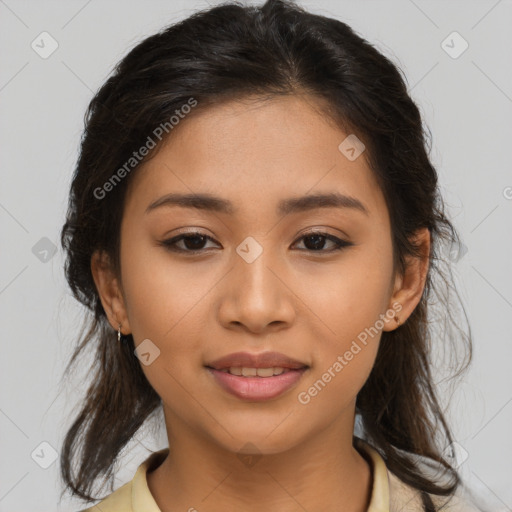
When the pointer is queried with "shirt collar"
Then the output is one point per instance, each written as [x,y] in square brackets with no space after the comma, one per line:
[142,499]
[379,501]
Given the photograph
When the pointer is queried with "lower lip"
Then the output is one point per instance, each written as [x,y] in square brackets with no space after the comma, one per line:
[257,388]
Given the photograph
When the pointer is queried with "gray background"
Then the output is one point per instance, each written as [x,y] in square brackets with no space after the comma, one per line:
[466,102]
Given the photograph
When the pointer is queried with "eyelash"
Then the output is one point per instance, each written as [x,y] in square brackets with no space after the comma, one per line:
[170,244]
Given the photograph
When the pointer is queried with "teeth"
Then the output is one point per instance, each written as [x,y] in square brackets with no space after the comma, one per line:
[249,372]
[263,372]
[256,372]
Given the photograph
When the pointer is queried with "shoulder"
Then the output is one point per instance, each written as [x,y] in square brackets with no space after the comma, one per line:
[404,497]
[119,501]
[133,496]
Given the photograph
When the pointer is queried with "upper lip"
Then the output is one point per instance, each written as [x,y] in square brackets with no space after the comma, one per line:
[248,360]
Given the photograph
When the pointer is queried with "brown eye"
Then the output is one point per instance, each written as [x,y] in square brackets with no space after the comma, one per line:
[192,242]
[316,241]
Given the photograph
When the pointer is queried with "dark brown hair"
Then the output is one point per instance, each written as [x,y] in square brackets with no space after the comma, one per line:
[233,51]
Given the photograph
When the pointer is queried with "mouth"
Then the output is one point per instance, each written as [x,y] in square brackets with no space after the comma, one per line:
[256,377]
[262,361]
[256,372]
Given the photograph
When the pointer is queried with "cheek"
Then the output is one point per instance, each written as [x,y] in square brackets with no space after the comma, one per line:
[351,295]
[349,301]
[167,302]
[161,291]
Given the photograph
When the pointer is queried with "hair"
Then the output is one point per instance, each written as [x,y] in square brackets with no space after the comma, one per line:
[232,52]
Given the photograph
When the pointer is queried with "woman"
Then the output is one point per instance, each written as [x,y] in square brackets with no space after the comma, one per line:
[255,225]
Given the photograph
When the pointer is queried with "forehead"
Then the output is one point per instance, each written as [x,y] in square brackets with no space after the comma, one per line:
[255,152]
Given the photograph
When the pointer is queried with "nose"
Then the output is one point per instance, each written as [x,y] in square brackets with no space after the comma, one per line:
[256,296]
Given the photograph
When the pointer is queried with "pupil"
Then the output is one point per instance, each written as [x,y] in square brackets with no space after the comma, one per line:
[195,242]
[318,241]
[189,244]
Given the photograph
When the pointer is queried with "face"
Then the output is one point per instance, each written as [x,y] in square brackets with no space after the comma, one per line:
[307,281]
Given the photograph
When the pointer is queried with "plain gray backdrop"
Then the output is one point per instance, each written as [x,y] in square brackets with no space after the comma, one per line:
[465,96]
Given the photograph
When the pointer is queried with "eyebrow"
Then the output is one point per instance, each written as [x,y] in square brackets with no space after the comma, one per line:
[285,206]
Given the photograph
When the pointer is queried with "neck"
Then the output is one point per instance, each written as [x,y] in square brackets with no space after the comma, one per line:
[323,473]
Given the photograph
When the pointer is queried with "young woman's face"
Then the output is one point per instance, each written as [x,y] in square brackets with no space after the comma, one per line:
[261,280]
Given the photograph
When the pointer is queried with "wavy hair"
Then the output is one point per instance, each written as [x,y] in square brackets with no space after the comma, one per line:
[233,51]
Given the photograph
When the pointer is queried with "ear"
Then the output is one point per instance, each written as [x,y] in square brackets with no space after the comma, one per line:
[408,288]
[109,291]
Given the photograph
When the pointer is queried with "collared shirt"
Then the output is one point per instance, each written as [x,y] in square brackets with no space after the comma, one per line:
[389,493]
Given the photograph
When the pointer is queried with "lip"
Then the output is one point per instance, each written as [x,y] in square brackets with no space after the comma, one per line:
[262,360]
[257,389]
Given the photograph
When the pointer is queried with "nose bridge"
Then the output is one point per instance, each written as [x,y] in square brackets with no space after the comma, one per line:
[256,296]
[253,265]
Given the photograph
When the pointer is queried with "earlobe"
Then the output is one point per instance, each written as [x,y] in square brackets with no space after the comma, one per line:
[109,291]
[409,286]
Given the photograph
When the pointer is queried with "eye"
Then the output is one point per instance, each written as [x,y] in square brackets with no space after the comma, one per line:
[316,240]
[194,242]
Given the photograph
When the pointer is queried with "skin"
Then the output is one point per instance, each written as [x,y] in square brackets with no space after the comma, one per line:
[308,305]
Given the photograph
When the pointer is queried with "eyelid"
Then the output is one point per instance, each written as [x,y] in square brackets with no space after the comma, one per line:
[339,242]
[170,244]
